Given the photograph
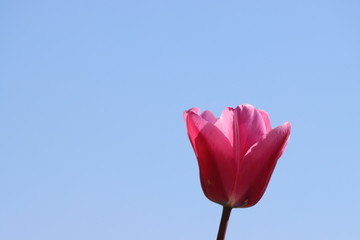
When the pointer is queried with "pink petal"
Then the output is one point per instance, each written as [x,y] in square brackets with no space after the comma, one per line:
[215,158]
[257,166]
[266,118]
[209,116]
[226,124]
[251,128]
[194,110]
[194,124]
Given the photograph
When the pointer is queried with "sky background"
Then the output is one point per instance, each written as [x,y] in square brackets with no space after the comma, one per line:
[92,139]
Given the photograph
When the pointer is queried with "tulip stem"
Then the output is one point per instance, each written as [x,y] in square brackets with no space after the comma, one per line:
[224,222]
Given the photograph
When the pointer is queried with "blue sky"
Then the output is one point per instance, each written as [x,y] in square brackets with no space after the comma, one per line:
[92,139]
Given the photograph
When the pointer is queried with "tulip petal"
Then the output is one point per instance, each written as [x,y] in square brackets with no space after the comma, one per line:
[209,116]
[266,118]
[258,165]
[226,124]
[194,110]
[215,158]
[250,125]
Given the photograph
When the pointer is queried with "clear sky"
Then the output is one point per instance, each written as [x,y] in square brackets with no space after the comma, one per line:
[92,139]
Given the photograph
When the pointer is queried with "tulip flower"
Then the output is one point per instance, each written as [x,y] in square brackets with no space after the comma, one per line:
[236,153]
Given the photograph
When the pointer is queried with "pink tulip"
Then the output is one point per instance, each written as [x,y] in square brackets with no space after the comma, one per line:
[237,153]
